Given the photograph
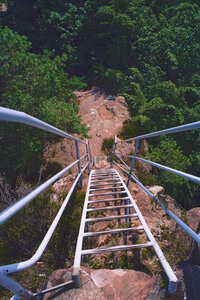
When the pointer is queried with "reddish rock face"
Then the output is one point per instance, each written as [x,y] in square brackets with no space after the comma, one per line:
[123,284]
[193,216]
[105,285]
[102,116]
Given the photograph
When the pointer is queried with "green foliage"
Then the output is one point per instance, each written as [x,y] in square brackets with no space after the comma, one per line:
[39,86]
[171,155]
[51,168]
[107,145]
[110,79]
[146,50]
[129,130]
[27,229]
[63,242]
[144,177]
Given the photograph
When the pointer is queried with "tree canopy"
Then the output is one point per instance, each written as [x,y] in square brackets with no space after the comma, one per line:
[38,85]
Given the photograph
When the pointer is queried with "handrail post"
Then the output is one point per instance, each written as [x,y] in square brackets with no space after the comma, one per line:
[79,164]
[114,148]
[88,158]
[133,161]
[129,176]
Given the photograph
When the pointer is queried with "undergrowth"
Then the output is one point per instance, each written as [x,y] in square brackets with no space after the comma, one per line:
[22,234]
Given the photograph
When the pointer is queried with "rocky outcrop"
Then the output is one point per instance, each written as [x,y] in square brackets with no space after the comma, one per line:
[156,190]
[102,116]
[193,216]
[105,285]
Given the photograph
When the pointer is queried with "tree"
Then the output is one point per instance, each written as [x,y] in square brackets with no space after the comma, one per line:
[168,153]
[39,86]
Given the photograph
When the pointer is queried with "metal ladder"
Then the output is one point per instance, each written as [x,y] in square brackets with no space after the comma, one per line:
[107,192]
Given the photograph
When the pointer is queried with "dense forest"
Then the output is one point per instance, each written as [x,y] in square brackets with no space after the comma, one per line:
[147,51]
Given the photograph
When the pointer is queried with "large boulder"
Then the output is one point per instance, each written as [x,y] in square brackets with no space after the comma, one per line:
[193,216]
[104,285]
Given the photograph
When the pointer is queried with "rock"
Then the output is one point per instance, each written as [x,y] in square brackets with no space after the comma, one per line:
[143,147]
[193,216]
[134,190]
[93,112]
[105,285]
[102,165]
[60,186]
[156,190]
[159,293]
[195,257]
[88,291]
[123,284]
[125,148]
[122,100]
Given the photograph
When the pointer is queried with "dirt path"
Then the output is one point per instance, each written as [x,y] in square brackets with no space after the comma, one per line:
[104,118]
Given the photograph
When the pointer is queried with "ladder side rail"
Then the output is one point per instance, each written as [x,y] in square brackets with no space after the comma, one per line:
[89,151]
[77,257]
[88,154]
[170,274]
[79,164]
[185,227]
[8,282]
[114,148]
[11,115]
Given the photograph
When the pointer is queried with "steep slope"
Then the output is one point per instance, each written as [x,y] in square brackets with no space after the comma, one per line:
[103,117]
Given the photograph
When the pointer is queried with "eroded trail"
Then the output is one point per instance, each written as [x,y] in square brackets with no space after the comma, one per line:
[104,118]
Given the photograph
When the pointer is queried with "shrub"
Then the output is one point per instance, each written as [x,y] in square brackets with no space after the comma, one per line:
[107,145]
[129,130]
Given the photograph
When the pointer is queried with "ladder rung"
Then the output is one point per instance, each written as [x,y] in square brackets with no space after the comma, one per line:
[105,177]
[101,174]
[107,200]
[108,180]
[109,207]
[105,174]
[105,184]
[113,231]
[107,188]
[111,218]
[115,248]
[112,193]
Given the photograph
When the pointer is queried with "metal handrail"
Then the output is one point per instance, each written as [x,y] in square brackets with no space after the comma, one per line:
[16,267]
[11,115]
[8,282]
[13,209]
[20,117]
[167,169]
[169,212]
[131,175]
[190,126]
